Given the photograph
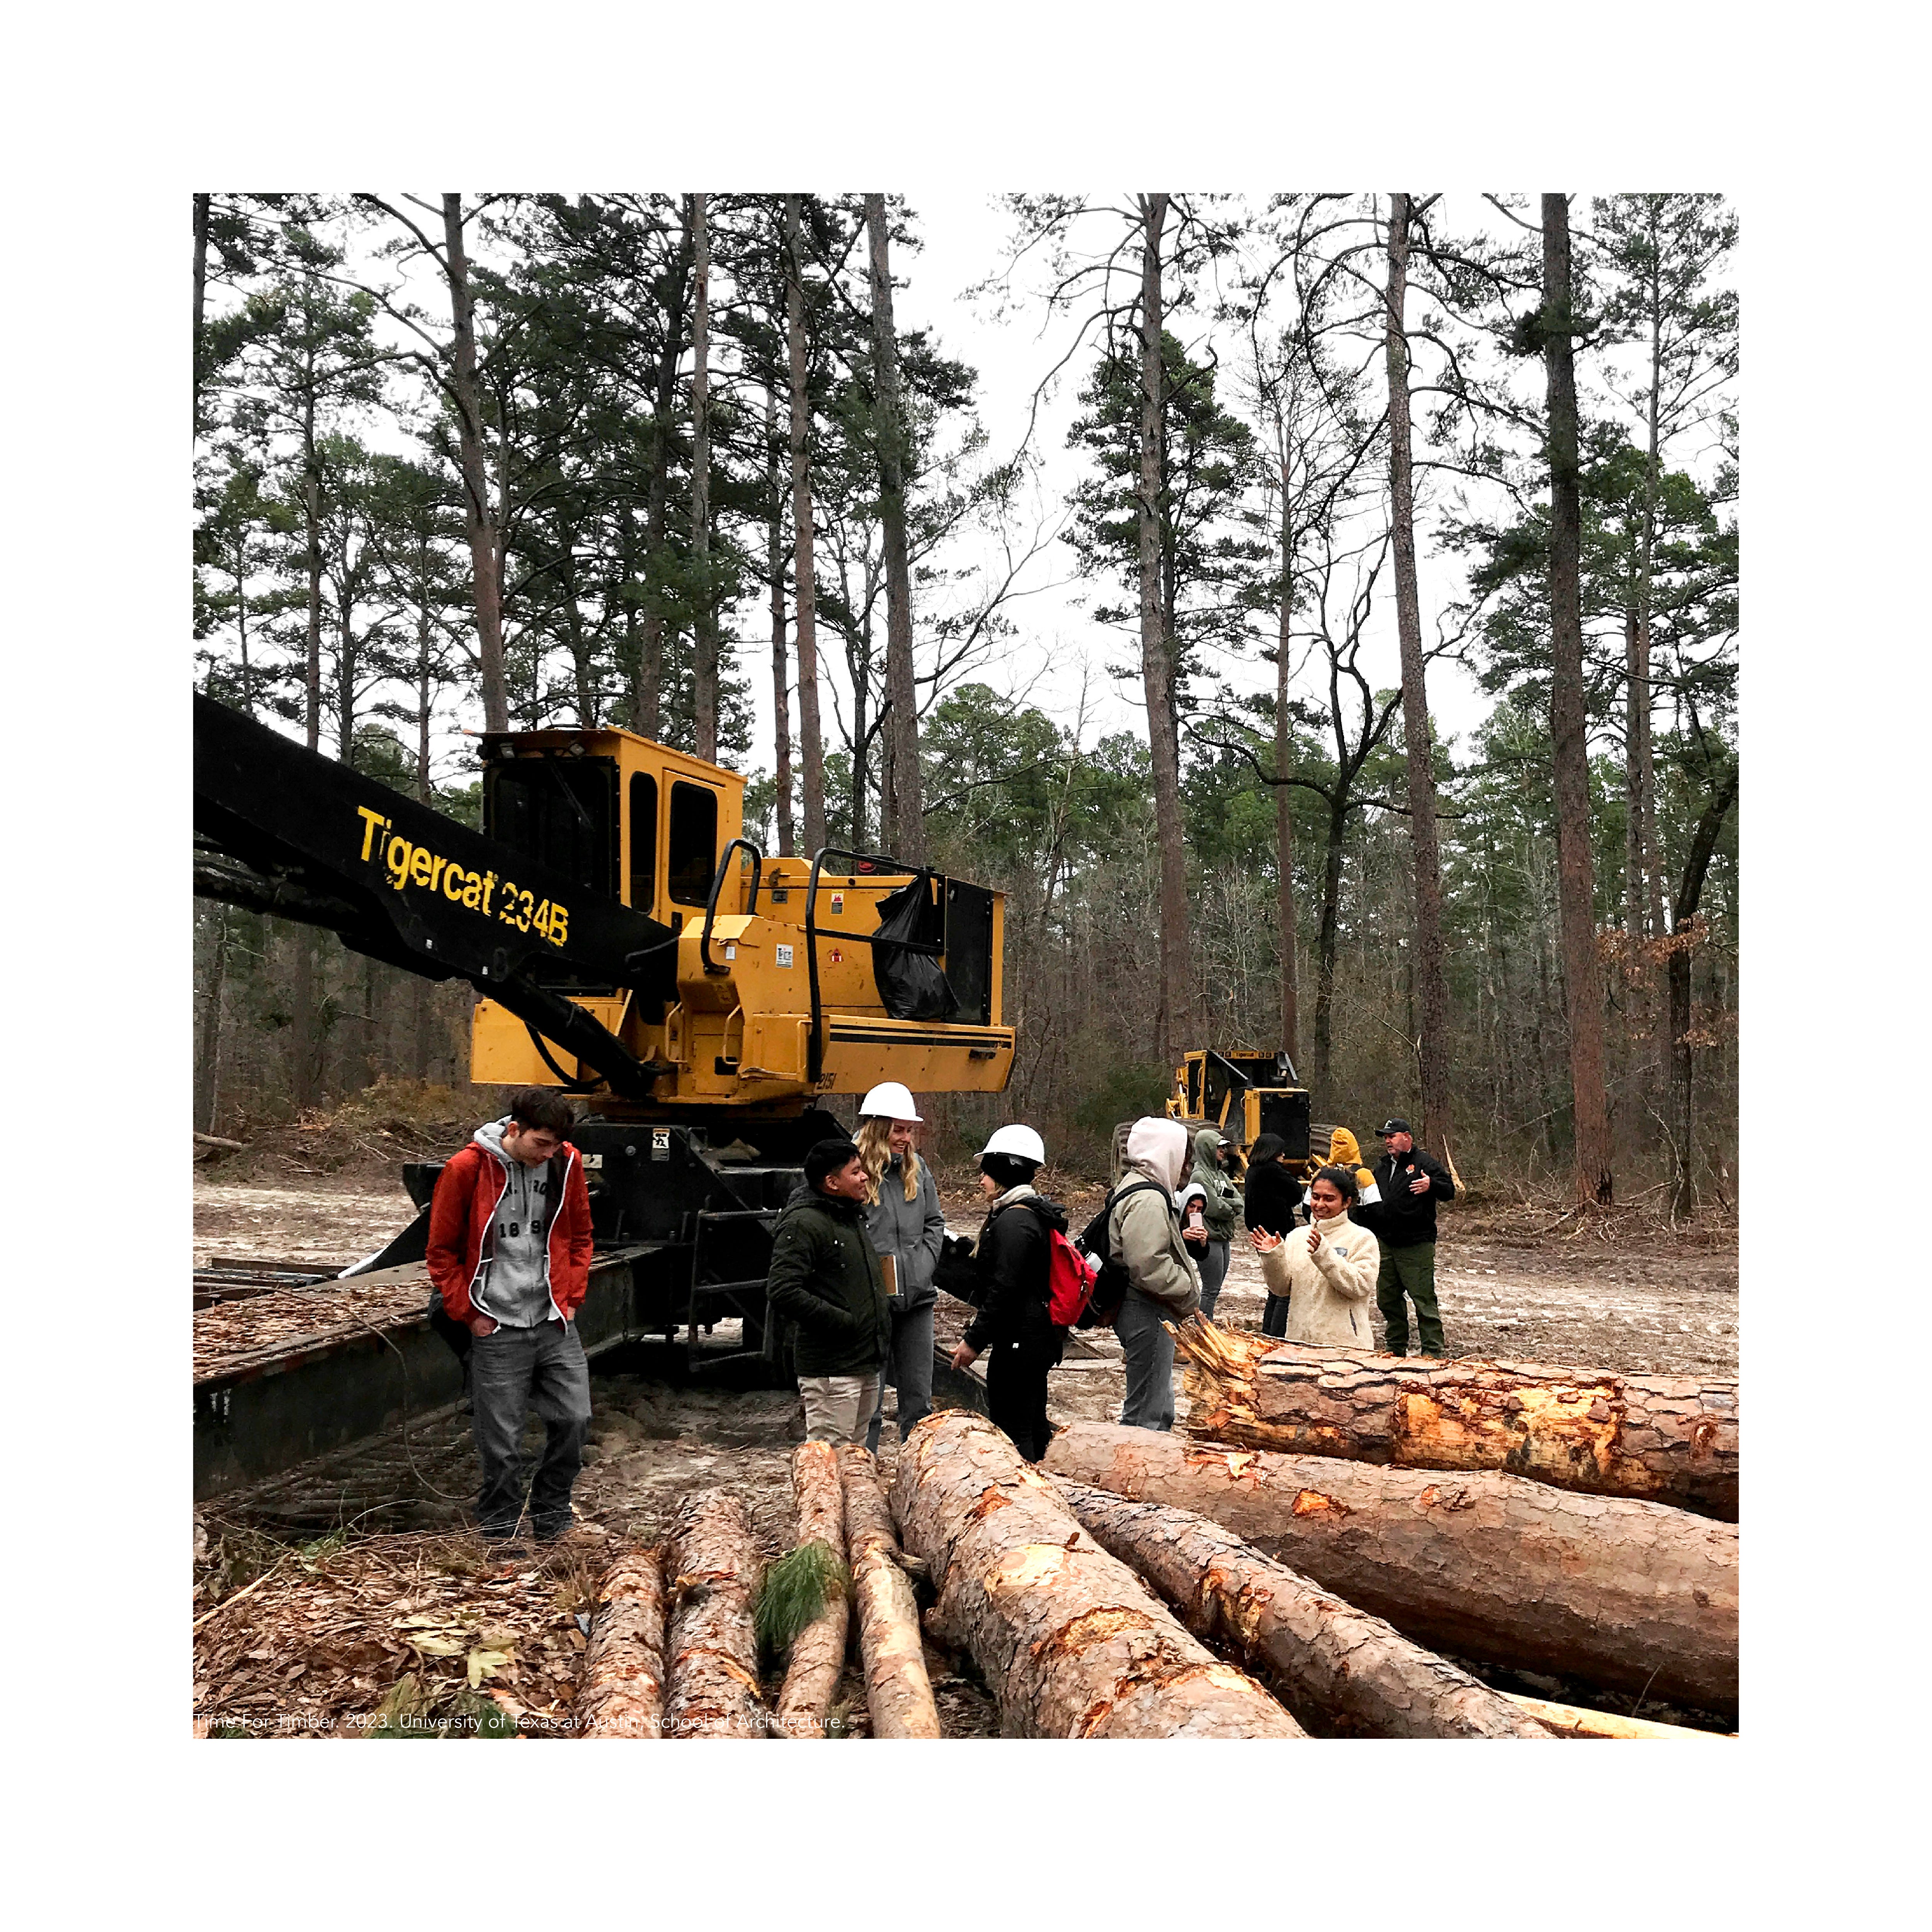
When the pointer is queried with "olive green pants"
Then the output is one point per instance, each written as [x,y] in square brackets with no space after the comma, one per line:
[1409,1271]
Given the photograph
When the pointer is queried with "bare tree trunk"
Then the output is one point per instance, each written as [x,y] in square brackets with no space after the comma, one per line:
[1703,844]
[1284,808]
[622,1694]
[647,689]
[1339,1671]
[201,208]
[1426,958]
[1637,692]
[1662,1438]
[898,1692]
[1582,978]
[712,1568]
[805,589]
[704,627]
[479,521]
[817,1657]
[312,538]
[780,670]
[1326,940]
[1171,1015]
[301,1017]
[1070,1642]
[902,831]
[1628,1596]
[211,1018]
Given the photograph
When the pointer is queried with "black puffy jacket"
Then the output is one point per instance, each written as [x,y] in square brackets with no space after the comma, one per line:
[1402,1220]
[1013,1255]
[825,1278]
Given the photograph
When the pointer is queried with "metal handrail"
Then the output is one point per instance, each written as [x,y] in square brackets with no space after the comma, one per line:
[717,886]
[815,1048]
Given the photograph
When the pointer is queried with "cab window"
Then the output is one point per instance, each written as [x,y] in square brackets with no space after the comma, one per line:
[643,818]
[693,850]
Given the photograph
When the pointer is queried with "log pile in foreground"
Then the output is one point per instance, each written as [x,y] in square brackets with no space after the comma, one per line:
[1069,1640]
[1566,1721]
[622,1695]
[713,1570]
[898,1692]
[1660,1439]
[1341,1672]
[817,1660]
[1629,1597]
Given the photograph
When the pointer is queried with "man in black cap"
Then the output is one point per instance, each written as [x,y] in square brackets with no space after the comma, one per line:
[825,1278]
[1410,1183]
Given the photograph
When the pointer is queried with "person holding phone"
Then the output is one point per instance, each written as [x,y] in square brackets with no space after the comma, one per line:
[907,1226]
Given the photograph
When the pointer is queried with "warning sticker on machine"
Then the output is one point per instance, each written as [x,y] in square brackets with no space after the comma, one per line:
[660,1143]
[782,954]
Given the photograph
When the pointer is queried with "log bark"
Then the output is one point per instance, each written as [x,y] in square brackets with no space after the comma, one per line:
[898,1692]
[818,1659]
[713,1572]
[622,1695]
[1567,1721]
[1072,1643]
[1623,1596]
[1341,1672]
[1661,1439]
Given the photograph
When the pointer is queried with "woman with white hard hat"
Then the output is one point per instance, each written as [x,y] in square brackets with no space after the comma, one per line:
[903,1220]
[1015,1320]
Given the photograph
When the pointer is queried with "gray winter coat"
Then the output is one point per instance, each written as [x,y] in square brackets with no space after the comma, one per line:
[912,1231]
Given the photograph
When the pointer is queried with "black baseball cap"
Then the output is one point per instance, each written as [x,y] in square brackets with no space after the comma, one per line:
[1397,1125]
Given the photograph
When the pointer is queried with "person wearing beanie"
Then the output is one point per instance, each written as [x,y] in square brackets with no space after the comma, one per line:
[1163,1284]
[826,1279]
[1014,1321]
[907,1226]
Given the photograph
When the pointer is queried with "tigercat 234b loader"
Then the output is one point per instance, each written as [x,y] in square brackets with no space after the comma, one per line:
[633,946]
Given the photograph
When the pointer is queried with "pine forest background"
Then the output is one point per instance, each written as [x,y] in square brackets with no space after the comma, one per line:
[521,459]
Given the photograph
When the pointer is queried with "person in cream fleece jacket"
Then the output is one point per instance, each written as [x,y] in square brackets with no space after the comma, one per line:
[1328,1271]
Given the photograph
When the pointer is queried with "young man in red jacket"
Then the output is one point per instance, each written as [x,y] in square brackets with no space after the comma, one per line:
[509,1251]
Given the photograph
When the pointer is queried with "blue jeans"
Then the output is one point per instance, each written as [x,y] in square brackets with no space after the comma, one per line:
[909,1370]
[1212,1261]
[512,1371]
[1149,1350]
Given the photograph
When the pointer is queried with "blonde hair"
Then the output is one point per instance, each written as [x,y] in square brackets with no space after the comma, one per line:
[875,1150]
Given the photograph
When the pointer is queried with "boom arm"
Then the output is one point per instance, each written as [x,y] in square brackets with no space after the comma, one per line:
[281,830]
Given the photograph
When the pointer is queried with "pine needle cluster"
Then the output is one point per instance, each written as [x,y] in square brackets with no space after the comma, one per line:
[793,1591]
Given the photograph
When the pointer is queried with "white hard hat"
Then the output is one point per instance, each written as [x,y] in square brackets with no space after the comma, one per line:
[1021,1142]
[889,1101]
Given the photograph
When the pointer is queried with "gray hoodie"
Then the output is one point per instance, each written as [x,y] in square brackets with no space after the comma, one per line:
[513,1287]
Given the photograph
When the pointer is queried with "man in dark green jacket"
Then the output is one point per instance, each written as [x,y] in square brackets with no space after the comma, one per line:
[825,1278]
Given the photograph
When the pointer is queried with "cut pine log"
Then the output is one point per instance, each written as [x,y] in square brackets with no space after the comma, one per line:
[1566,1721]
[1340,1671]
[898,1691]
[1623,1596]
[817,1657]
[713,1675]
[1071,1642]
[622,1695]
[1659,1438]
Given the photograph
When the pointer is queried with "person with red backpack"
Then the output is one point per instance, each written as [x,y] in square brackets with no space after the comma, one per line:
[1015,1260]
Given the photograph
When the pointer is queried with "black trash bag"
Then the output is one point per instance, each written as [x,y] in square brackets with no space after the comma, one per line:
[912,985]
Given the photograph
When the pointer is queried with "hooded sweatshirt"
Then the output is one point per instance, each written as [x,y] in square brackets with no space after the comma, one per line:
[1142,1230]
[1221,1199]
[514,1286]
[1345,1151]
[1329,1290]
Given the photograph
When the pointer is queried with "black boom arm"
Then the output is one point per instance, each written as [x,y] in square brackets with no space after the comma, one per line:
[281,830]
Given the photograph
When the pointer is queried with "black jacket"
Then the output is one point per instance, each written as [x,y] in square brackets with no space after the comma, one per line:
[1013,1254]
[1273,1194]
[825,1278]
[1401,1220]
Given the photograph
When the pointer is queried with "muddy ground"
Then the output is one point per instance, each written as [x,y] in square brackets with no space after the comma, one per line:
[1512,1281]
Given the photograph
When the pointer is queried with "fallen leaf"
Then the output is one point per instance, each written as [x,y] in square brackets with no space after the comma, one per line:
[485,1663]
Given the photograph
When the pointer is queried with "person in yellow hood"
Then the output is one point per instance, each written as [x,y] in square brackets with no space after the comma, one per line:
[1345,1151]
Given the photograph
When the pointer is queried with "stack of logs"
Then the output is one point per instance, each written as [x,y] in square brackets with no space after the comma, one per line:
[1351,1518]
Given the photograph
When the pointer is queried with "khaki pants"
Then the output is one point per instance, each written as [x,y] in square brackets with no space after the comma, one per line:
[838,1407]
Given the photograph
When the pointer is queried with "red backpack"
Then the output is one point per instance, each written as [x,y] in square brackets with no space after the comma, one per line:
[1070,1277]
